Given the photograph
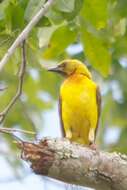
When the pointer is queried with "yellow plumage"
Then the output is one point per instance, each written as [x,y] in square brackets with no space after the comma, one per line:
[79,102]
[79,108]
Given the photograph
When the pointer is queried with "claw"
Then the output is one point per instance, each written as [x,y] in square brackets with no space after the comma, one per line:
[93,146]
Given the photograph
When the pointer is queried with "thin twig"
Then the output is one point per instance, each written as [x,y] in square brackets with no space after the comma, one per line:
[19,88]
[12,130]
[18,139]
[24,34]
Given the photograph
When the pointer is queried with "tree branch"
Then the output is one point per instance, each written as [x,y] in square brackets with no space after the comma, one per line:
[20,85]
[75,164]
[24,34]
[13,130]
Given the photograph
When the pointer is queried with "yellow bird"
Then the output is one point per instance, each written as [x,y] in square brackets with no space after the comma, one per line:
[80,102]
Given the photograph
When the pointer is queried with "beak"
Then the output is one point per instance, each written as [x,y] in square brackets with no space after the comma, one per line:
[54,69]
[57,69]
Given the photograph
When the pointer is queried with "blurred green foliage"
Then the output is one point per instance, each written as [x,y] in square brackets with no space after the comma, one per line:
[101,29]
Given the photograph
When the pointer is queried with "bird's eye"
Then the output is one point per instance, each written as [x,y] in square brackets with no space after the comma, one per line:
[63,65]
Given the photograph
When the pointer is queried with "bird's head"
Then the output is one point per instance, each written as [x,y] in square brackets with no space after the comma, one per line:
[71,66]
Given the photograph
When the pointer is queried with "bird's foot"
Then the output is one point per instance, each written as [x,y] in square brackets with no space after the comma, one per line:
[93,146]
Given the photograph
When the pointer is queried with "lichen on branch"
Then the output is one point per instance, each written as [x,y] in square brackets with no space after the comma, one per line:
[75,164]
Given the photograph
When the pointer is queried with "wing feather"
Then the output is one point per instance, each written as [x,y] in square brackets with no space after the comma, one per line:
[60,115]
[98,100]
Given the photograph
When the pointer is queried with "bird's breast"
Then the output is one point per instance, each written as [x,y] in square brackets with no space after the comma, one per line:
[79,108]
[77,89]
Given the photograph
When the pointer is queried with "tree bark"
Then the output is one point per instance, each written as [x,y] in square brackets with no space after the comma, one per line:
[76,164]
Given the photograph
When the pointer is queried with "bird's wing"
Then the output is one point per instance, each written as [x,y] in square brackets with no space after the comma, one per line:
[60,115]
[98,99]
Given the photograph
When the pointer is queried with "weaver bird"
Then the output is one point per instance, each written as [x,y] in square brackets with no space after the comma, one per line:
[79,102]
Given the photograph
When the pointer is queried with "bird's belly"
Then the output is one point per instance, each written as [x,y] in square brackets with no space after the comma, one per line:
[79,113]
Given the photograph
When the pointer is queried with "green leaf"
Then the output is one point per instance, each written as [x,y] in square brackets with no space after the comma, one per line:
[3,6]
[121,8]
[44,21]
[96,52]
[71,15]
[55,16]
[96,13]
[120,27]
[14,17]
[64,5]
[44,35]
[60,39]
[32,8]
[23,3]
